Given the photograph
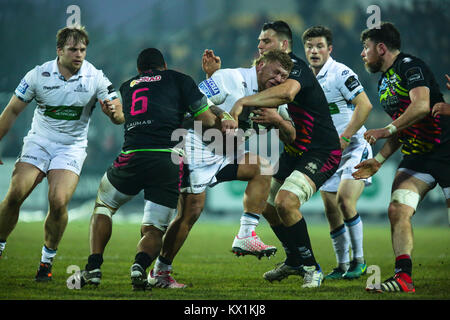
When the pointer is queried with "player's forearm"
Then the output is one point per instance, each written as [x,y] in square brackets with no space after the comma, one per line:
[274,96]
[286,131]
[390,147]
[359,117]
[10,114]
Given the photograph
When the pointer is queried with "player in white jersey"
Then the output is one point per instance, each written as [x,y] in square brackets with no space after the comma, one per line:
[207,168]
[349,107]
[66,90]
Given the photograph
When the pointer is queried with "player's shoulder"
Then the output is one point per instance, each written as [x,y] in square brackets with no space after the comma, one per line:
[405,60]
[341,70]
[229,73]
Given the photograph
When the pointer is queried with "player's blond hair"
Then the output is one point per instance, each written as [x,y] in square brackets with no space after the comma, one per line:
[77,33]
[276,56]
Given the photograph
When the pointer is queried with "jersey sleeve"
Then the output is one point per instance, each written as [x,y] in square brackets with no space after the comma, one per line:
[193,99]
[214,87]
[415,73]
[105,89]
[26,90]
[348,84]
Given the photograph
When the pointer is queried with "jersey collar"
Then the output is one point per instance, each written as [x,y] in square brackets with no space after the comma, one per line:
[325,67]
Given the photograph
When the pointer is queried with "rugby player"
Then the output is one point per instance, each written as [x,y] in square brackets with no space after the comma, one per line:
[207,168]
[155,102]
[349,107]
[305,163]
[66,90]
[407,90]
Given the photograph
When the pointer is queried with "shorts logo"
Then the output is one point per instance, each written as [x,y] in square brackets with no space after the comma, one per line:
[74,164]
[26,156]
[209,87]
[23,86]
[311,167]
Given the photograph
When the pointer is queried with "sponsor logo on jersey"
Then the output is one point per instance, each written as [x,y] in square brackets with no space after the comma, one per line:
[414,74]
[23,86]
[45,74]
[145,79]
[352,83]
[80,88]
[50,88]
[311,167]
[209,88]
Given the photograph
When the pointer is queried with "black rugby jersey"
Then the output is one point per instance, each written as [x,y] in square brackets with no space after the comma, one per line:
[154,104]
[406,73]
[309,111]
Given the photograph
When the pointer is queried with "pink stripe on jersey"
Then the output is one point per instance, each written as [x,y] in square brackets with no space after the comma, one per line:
[333,161]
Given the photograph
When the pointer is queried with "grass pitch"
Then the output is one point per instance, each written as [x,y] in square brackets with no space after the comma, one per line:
[211,270]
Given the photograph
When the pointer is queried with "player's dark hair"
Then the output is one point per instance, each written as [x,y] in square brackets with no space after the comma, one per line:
[78,33]
[150,58]
[281,28]
[318,31]
[277,55]
[387,34]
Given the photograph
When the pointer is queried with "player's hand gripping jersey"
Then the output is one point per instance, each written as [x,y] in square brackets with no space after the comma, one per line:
[406,73]
[64,106]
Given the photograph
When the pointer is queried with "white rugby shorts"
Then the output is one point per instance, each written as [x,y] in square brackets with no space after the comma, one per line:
[47,155]
[358,151]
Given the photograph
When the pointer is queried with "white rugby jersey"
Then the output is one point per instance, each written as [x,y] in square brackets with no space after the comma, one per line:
[64,107]
[340,85]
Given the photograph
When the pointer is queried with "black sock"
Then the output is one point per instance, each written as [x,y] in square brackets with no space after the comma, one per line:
[143,259]
[293,258]
[94,261]
[403,263]
[298,236]
[165,260]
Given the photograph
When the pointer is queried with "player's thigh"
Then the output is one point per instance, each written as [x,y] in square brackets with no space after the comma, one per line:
[192,206]
[61,186]
[25,178]
[248,167]
[350,190]
[329,201]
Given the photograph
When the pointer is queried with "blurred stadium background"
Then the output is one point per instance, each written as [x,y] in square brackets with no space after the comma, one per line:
[182,30]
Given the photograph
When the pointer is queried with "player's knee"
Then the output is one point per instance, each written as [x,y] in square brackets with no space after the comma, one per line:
[345,204]
[103,209]
[298,185]
[403,204]
[57,204]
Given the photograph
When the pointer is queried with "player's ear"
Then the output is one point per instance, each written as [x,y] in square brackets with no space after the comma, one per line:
[330,48]
[381,48]
[165,66]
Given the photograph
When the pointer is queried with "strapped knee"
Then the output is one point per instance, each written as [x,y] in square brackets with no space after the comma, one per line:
[274,187]
[298,185]
[405,196]
[157,215]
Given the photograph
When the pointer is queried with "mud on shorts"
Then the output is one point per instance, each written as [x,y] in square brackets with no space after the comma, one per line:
[153,172]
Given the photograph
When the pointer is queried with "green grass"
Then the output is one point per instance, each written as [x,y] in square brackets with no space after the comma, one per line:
[212,272]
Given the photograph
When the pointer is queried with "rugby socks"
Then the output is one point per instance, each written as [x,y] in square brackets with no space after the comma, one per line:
[47,254]
[355,229]
[341,244]
[249,221]
[293,258]
[95,261]
[162,264]
[143,259]
[403,264]
[298,236]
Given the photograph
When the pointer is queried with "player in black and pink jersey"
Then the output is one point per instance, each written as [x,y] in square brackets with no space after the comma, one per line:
[154,104]
[408,91]
[304,165]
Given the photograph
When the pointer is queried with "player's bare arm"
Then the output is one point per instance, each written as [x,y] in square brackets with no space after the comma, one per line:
[227,123]
[369,167]
[14,107]
[113,109]
[417,110]
[362,110]
[269,98]
[442,108]
[210,62]
[270,116]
